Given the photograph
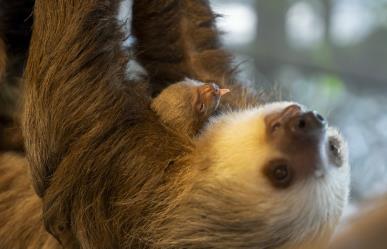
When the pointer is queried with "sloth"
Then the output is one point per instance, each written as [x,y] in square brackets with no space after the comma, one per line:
[108,173]
[187,105]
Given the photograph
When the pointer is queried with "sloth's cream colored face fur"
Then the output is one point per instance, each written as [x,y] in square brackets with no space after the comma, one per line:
[290,167]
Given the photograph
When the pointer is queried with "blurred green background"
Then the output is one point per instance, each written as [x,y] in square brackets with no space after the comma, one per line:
[330,55]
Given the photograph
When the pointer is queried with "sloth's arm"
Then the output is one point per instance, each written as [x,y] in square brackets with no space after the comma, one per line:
[178,39]
[87,132]
[73,75]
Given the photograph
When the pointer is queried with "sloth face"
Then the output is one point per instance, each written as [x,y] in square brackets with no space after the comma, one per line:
[283,164]
[307,146]
[281,143]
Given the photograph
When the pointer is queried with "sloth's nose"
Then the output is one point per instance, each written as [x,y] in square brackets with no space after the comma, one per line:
[294,122]
[307,123]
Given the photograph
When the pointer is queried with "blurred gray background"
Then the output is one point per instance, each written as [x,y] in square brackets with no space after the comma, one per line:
[330,55]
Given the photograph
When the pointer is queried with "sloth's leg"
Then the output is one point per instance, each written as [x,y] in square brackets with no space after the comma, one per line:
[178,39]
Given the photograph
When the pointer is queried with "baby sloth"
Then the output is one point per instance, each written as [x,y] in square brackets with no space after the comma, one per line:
[275,176]
[187,105]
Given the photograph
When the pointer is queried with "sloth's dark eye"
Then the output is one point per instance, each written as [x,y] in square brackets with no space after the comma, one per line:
[279,174]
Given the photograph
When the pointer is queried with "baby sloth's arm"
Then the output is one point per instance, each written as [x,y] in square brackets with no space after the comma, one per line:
[186,106]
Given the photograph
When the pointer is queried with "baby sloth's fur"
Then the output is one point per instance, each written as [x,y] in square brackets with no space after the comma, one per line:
[186,106]
[110,174]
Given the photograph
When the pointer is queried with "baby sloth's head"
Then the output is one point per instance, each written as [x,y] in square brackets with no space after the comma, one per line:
[187,105]
[271,177]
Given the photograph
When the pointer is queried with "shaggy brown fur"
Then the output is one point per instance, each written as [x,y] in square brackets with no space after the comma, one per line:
[109,173]
[92,140]
[93,143]
[20,209]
